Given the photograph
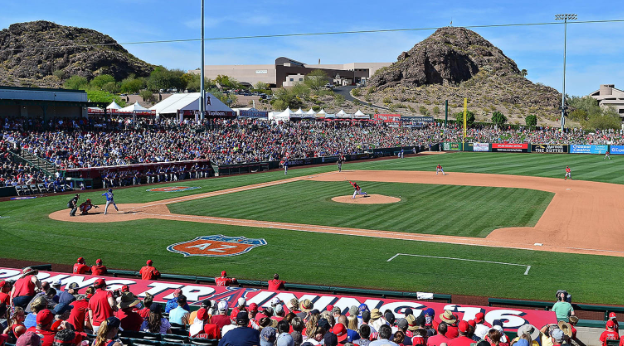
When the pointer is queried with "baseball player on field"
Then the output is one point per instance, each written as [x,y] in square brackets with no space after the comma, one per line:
[340,161]
[86,206]
[568,173]
[358,189]
[285,164]
[109,200]
[439,169]
[607,156]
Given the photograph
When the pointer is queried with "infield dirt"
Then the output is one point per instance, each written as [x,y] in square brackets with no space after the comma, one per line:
[583,217]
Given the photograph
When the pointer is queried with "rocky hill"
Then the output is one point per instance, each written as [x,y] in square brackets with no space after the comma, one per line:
[42,53]
[454,63]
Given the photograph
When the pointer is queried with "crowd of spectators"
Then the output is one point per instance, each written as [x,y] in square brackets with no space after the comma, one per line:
[100,317]
[98,141]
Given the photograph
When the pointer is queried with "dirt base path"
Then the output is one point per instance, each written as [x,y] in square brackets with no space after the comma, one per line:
[583,217]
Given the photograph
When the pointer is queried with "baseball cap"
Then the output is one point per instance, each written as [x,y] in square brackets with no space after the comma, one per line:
[64,336]
[267,336]
[463,326]
[479,317]
[28,339]
[222,306]
[202,314]
[242,301]
[242,318]
[114,322]
[57,283]
[557,334]
[363,307]
[149,262]
[472,323]
[181,298]
[100,282]
[253,307]
[402,324]
[612,315]
[45,317]
[275,301]
[315,312]
[224,273]
[125,288]
[323,323]
[177,292]
[341,332]
[279,309]
[336,310]
[206,303]
[330,339]
[285,340]
[408,311]
[73,286]
[98,261]
[2,283]
[80,260]
[610,324]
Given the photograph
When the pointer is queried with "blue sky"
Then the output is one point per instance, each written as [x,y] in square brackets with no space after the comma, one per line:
[595,51]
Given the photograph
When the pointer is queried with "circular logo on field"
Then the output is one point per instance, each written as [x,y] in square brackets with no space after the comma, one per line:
[20,198]
[174,188]
[216,246]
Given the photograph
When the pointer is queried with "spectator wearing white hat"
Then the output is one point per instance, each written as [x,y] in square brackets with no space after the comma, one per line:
[221,319]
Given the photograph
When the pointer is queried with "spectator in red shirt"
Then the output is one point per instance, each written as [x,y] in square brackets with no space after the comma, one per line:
[148,272]
[240,306]
[222,319]
[224,280]
[100,305]
[276,284]
[130,319]
[451,324]
[44,322]
[147,303]
[80,267]
[23,290]
[99,269]
[608,334]
[203,328]
[5,288]
[613,317]
[439,338]
[78,313]
[462,339]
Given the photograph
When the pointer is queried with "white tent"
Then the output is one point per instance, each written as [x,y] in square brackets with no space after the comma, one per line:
[321,113]
[135,107]
[113,105]
[309,114]
[175,103]
[360,115]
[343,115]
[298,114]
[283,116]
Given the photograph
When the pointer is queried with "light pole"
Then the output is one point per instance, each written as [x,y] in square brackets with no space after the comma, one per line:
[202,92]
[565,18]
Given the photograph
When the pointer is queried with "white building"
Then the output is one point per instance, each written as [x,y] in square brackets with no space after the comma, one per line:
[609,96]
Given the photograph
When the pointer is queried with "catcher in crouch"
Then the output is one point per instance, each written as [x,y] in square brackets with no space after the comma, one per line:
[86,206]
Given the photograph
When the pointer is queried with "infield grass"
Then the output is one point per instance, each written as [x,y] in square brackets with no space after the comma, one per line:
[469,211]
[326,259]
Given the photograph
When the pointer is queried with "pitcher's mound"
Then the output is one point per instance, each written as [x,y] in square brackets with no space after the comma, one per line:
[370,199]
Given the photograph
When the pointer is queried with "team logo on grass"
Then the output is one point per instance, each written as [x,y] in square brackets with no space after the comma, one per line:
[216,246]
[174,188]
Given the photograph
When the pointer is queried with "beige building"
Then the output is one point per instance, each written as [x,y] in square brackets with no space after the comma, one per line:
[609,96]
[284,69]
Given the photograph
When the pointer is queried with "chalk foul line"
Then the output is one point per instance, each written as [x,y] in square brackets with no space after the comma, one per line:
[526,272]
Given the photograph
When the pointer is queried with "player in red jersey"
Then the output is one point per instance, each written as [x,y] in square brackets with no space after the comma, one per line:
[568,173]
[358,189]
[439,169]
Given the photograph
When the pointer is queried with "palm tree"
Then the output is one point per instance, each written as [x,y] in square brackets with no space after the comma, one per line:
[524,72]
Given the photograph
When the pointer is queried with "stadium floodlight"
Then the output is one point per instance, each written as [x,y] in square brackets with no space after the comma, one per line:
[565,17]
[202,93]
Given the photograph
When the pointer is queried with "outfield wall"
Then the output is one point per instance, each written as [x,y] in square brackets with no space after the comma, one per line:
[596,149]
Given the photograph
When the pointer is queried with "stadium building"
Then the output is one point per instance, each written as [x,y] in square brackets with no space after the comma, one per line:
[40,102]
[287,72]
[609,96]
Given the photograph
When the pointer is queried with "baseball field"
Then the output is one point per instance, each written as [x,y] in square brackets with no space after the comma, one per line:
[497,225]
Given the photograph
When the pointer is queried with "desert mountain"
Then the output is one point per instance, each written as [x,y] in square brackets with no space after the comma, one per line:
[41,53]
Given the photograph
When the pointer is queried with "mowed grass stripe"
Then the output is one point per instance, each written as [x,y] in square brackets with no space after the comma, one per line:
[470,211]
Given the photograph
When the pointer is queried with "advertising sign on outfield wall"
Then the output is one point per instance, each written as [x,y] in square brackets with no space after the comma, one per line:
[549,148]
[511,147]
[588,149]
[480,146]
[195,293]
[617,149]
[451,146]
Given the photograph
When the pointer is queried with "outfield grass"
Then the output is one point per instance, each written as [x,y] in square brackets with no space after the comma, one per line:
[326,259]
[469,211]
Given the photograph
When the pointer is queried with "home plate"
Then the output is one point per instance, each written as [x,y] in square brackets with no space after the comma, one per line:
[538,244]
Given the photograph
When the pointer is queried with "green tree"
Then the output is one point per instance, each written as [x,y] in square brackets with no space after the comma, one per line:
[356,92]
[76,83]
[499,118]
[111,87]
[470,118]
[226,82]
[524,73]
[423,110]
[531,120]
[339,100]
[436,110]
[316,79]
[147,96]
[99,81]
[131,85]
[261,86]
[104,97]
[161,78]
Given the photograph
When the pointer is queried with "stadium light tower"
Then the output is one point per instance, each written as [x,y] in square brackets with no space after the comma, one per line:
[565,18]
[202,92]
